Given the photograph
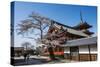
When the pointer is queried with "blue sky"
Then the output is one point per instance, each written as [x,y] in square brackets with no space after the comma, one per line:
[65,14]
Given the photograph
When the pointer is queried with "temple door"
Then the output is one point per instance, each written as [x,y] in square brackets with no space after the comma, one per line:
[74,53]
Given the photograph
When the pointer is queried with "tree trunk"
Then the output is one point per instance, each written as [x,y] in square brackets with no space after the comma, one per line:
[51,52]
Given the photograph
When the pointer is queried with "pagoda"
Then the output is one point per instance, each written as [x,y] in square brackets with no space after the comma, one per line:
[83,26]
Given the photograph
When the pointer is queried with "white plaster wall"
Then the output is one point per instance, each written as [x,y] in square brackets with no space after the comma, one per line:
[94,49]
[84,49]
[66,50]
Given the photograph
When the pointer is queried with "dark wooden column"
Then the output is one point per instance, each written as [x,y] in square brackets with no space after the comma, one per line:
[70,53]
[78,54]
[89,52]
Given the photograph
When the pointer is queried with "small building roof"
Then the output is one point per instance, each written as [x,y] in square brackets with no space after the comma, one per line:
[82,41]
[18,48]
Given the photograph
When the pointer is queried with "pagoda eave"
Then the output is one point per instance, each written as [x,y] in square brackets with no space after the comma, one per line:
[82,26]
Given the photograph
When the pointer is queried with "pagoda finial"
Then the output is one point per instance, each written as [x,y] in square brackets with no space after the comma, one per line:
[81,17]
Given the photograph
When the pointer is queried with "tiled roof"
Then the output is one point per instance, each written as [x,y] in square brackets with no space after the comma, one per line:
[82,41]
[72,31]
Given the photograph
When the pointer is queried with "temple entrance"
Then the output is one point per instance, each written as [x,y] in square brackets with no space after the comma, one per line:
[74,53]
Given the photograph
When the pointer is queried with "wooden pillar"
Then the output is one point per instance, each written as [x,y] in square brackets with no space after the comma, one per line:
[89,53]
[70,54]
[78,54]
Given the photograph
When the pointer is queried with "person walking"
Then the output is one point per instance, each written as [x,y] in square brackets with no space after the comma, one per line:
[25,56]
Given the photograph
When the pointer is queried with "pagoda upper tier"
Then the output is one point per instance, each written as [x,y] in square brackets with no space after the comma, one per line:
[82,25]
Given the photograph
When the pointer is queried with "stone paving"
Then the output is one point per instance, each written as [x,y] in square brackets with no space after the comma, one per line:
[38,60]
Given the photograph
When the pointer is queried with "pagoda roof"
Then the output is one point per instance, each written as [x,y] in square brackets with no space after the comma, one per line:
[88,32]
[76,32]
[82,25]
[55,22]
[70,29]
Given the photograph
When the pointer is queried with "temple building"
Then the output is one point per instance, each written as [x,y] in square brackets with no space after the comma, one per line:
[74,43]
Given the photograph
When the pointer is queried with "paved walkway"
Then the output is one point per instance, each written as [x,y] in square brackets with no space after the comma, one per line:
[36,57]
[38,60]
[32,60]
